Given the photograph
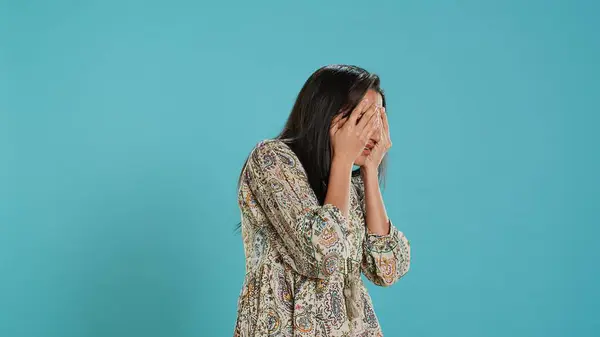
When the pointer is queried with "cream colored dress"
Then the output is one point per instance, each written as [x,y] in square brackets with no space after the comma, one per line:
[304,260]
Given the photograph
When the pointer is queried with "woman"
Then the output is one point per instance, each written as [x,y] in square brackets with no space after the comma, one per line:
[310,224]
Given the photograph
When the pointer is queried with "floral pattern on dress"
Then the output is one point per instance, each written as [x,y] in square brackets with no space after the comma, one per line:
[298,253]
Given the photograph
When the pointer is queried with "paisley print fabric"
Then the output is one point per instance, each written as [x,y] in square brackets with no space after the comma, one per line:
[299,254]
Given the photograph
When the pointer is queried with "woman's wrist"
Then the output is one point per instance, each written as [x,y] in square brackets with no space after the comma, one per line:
[366,170]
[342,161]
[338,192]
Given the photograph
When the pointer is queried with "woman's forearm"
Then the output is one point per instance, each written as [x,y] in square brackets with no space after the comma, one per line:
[376,215]
[338,191]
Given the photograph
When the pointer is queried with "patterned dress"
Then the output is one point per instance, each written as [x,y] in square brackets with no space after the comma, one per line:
[302,256]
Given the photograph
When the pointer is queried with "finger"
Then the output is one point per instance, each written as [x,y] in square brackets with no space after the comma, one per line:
[366,117]
[342,121]
[373,125]
[372,112]
[336,119]
[358,111]
[386,126]
[337,123]
[370,132]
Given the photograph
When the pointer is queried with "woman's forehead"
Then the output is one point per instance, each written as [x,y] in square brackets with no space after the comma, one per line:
[373,95]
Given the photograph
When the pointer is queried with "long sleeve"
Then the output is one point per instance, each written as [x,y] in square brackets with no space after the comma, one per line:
[385,258]
[314,237]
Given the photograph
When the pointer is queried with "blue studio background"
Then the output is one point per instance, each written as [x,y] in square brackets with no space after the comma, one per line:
[124,124]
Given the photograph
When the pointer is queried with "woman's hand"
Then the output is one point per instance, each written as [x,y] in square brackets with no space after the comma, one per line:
[349,135]
[381,148]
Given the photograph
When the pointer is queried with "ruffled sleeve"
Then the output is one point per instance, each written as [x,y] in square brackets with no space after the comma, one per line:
[385,258]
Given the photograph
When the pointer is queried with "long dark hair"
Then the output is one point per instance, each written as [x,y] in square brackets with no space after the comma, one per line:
[330,90]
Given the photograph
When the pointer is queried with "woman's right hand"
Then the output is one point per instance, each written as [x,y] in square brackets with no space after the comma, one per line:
[349,135]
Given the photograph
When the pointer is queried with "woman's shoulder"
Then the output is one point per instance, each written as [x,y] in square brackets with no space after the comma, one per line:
[274,152]
[269,147]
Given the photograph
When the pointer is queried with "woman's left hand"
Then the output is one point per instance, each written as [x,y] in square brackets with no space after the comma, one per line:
[381,148]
